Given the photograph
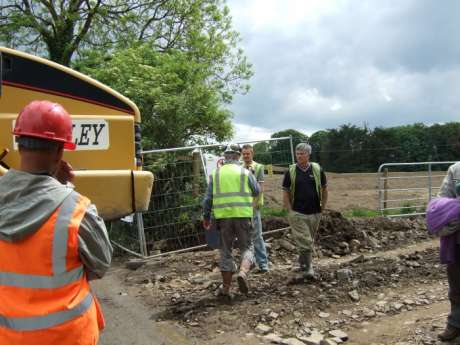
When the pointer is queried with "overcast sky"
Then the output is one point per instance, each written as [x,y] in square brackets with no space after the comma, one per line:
[319,64]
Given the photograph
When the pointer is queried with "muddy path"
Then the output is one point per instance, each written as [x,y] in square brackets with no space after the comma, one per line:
[128,320]
[379,282]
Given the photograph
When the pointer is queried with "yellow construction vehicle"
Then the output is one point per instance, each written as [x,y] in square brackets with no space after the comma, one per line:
[106,129]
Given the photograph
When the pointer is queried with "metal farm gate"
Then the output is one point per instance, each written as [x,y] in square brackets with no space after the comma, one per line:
[406,188]
[173,221]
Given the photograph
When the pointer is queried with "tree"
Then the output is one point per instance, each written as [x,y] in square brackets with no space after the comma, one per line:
[297,136]
[281,150]
[65,27]
[178,104]
[318,142]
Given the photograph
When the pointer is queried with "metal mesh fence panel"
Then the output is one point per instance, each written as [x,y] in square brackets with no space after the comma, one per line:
[276,157]
[123,234]
[173,221]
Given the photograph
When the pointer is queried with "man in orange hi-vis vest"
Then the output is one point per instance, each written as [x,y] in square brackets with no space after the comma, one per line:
[52,241]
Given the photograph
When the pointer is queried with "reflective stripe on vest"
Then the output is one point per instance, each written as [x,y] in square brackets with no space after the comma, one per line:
[232,197]
[258,167]
[50,320]
[40,282]
[63,234]
[316,175]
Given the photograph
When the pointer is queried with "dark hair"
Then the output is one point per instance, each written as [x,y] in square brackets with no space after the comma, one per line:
[38,144]
[247,146]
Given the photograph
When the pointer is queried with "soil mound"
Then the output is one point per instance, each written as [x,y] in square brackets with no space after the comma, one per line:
[338,235]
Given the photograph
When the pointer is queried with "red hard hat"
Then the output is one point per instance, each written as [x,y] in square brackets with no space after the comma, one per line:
[46,120]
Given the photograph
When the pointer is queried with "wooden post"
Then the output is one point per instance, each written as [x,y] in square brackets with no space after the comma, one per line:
[269,168]
[196,164]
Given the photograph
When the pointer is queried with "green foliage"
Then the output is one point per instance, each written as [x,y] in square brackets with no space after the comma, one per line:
[282,150]
[361,212]
[278,152]
[178,103]
[359,149]
[298,137]
[273,212]
[411,207]
[123,233]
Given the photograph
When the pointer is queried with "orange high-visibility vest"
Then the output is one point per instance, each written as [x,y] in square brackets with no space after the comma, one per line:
[45,295]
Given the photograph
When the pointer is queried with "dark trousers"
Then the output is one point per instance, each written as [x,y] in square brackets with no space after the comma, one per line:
[230,229]
[453,277]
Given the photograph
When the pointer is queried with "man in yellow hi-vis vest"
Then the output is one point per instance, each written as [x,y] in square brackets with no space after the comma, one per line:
[229,197]
[305,197]
[52,241]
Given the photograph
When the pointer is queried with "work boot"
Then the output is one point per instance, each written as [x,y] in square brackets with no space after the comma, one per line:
[307,268]
[243,282]
[242,279]
[224,290]
[224,295]
[305,265]
[450,333]
[306,272]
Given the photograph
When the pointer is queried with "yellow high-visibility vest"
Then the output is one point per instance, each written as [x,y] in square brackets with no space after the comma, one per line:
[257,169]
[316,175]
[231,195]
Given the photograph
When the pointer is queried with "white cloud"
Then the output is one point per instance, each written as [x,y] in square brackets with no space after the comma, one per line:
[245,133]
[320,64]
[310,100]
[336,106]
[287,17]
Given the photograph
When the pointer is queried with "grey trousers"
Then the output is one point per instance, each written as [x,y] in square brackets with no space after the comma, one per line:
[303,229]
[231,229]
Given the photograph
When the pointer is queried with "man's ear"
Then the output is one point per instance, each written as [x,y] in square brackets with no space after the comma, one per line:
[59,153]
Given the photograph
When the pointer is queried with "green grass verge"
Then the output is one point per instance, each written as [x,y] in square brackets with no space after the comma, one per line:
[361,212]
[274,212]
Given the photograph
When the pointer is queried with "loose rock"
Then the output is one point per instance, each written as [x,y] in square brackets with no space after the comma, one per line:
[339,334]
[354,295]
[263,329]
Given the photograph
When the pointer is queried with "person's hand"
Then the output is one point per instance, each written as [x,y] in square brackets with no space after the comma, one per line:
[64,172]
[206,224]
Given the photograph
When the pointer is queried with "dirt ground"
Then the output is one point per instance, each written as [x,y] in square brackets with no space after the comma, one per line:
[379,282]
[385,287]
[360,191]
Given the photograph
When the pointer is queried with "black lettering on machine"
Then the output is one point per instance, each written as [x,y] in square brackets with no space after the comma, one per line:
[91,134]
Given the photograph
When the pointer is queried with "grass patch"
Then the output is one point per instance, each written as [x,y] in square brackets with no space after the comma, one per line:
[361,212]
[408,207]
[273,212]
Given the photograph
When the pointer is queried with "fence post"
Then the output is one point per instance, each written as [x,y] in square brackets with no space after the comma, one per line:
[430,181]
[385,188]
[379,189]
[196,162]
[292,149]
[141,234]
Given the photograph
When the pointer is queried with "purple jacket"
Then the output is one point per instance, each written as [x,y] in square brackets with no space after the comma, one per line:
[439,213]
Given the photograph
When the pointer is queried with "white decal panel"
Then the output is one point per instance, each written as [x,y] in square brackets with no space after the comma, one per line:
[91,134]
[88,134]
